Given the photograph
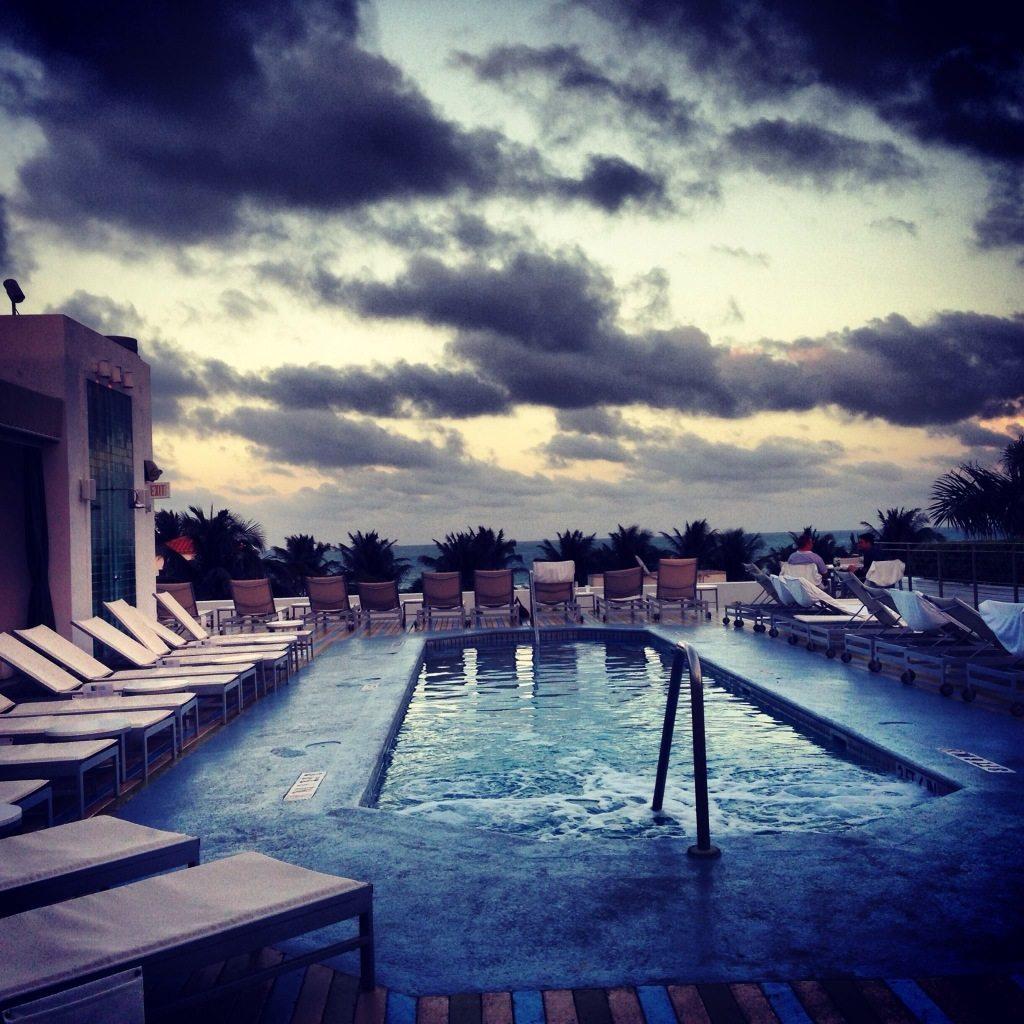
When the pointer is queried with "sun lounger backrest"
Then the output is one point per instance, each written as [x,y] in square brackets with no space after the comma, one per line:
[252,597]
[183,594]
[816,596]
[112,637]
[64,652]
[35,666]
[919,614]
[795,589]
[5,704]
[974,621]
[782,594]
[379,597]
[179,613]
[1005,621]
[493,588]
[135,623]
[677,579]
[884,613]
[442,590]
[885,574]
[760,577]
[327,593]
[621,584]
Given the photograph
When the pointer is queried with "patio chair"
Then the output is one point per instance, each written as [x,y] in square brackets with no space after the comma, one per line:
[553,585]
[254,604]
[677,584]
[756,610]
[60,682]
[184,595]
[997,667]
[85,856]
[442,599]
[192,629]
[173,924]
[622,588]
[382,600]
[886,574]
[494,594]
[329,599]
[70,760]
[816,617]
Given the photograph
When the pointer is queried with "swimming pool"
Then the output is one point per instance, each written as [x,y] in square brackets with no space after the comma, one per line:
[565,744]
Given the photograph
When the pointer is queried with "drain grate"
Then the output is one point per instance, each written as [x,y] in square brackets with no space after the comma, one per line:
[978,761]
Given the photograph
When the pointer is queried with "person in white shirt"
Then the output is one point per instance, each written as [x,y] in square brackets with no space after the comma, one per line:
[805,556]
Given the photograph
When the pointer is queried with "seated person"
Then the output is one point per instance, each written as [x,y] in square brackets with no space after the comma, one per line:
[805,556]
[866,549]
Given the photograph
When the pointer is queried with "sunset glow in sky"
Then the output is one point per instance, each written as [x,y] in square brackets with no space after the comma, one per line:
[410,266]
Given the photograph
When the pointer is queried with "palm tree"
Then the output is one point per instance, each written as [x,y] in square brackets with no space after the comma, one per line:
[628,543]
[902,526]
[982,501]
[302,555]
[169,526]
[468,550]
[574,546]
[735,549]
[370,558]
[697,540]
[227,547]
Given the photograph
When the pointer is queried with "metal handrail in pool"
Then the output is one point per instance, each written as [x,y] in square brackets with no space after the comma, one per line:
[686,654]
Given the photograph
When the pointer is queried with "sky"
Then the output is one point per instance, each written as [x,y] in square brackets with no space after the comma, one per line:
[555,264]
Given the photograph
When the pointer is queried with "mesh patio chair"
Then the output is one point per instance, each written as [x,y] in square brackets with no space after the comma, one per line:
[677,584]
[622,588]
[254,605]
[329,599]
[494,594]
[381,600]
[442,599]
[553,585]
[184,595]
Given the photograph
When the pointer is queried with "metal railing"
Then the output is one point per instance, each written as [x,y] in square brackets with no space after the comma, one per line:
[687,655]
[961,568]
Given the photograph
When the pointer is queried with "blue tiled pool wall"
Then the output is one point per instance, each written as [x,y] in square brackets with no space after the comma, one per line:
[829,734]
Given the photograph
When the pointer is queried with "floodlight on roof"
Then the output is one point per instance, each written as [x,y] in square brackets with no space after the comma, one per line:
[14,293]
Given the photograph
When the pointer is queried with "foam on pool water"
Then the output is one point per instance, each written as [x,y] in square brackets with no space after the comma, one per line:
[566,745]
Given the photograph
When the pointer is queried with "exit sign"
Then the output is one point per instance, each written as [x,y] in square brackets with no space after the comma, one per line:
[160,490]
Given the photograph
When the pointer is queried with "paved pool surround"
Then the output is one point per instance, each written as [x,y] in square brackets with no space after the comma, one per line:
[937,890]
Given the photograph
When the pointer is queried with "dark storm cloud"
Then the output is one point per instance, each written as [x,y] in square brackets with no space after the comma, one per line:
[973,435]
[4,243]
[609,182]
[569,72]
[561,449]
[1002,225]
[175,125]
[798,152]
[599,422]
[948,73]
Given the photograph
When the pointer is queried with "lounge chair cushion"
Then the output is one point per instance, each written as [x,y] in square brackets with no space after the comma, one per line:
[62,650]
[77,846]
[95,705]
[1006,620]
[17,789]
[51,753]
[110,930]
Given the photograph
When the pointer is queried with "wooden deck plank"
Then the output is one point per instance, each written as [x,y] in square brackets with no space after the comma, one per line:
[432,1010]
[816,1002]
[341,999]
[884,1002]
[721,1007]
[371,1007]
[559,1007]
[625,1006]
[465,1008]
[687,1003]
[316,983]
[754,1005]
[592,1006]
[849,1000]
[496,1008]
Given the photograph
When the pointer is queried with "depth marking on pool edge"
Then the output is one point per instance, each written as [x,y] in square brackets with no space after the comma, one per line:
[978,761]
[305,786]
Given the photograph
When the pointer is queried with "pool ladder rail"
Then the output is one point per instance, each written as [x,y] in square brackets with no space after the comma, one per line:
[685,654]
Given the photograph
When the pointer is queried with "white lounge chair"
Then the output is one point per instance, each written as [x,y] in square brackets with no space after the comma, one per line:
[27,794]
[172,924]
[85,856]
[61,760]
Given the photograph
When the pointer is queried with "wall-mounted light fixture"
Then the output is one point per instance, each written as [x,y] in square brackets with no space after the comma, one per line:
[87,490]
[138,501]
[115,375]
[104,370]
[129,379]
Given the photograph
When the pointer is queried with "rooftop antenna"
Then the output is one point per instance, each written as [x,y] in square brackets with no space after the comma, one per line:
[14,293]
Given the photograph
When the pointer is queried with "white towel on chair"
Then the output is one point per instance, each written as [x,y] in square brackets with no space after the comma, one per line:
[554,572]
[1006,620]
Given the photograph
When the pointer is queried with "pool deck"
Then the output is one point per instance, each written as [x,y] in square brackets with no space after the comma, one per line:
[936,891]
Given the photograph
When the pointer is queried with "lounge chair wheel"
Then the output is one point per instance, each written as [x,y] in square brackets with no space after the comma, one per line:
[760,628]
[1017,710]
[907,677]
[773,632]
[846,657]
[737,624]
[968,693]
[707,615]
[875,666]
[725,621]
[946,689]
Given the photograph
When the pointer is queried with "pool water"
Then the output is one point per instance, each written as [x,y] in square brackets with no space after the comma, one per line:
[566,744]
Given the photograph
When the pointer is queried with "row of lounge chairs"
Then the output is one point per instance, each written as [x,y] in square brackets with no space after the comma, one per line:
[103,920]
[99,719]
[908,632]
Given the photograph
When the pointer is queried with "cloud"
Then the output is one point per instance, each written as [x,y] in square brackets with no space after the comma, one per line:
[895,226]
[802,153]
[1002,224]
[973,435]
[599,422]
[609,182]
[100,312]
[950,77]
[239,306]
[561,449]
[761,259]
